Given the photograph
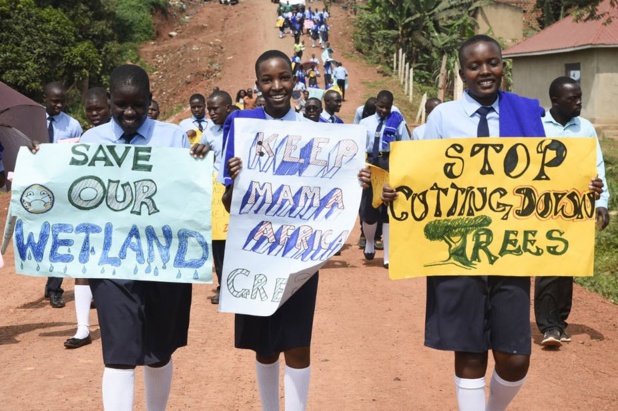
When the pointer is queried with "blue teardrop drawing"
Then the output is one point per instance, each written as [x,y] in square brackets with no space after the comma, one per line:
[135,270]
[69,250]
[92,252]
[196,275]
[51,268]
[21,265]
[102,270]
[114,272]
[156,271]
[38,267]
[65,269]
[148,269]
[84,270]
[164,267]
[29,255]
[178,275]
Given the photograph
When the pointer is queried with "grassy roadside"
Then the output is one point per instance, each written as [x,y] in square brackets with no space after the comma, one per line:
[605,280]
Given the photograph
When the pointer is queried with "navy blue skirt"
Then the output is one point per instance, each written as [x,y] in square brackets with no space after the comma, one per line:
[142,322]
[289,327]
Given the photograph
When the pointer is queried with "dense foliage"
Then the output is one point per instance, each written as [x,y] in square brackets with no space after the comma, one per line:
[77,42]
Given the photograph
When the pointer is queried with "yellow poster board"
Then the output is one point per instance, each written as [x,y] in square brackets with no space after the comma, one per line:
[496,206]
[379,177]
[220,217]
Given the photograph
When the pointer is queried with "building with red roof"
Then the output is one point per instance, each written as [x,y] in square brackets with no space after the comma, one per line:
[585,51]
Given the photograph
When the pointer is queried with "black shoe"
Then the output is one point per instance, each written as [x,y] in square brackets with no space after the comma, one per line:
[551,338]
[56,300]
[379,245]
[215,298]
[78,342]
[369,256]
[386,266]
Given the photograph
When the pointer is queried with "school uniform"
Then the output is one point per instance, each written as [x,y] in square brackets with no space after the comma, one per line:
[553,296]
[380,132]
[196,124]
[292,324]
[142,322]
[478,313]
[60,127]
[419,132]
[330,118]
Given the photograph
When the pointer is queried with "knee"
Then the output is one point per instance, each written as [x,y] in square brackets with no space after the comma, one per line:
[511,367]
[299,357]
[470,365]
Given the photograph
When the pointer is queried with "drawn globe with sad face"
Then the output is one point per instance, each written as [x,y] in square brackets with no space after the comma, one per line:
[37,199]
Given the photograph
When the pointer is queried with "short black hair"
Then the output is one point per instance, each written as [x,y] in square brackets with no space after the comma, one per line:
[479,38]
[54,85]
[129,75]
[369,108]
[224,95]
[330,93]
[153,102]
[95,92]
[197,96]
[314,99]
[385,95]
[272,54]
[556,86]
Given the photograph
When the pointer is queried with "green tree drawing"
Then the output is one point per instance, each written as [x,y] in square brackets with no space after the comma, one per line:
[454,232]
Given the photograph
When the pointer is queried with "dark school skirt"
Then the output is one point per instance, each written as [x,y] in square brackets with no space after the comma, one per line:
[478,313]
[289,327]
[142,322]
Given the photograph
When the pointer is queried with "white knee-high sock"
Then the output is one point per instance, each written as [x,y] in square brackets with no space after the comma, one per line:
[502,392]
[385,231]
[83,298]
[370,233]
[157,384]
[118,389]
[470,393]
[296,387]
[268,385]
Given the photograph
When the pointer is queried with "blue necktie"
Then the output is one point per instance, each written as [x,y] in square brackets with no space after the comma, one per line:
[199,125]
[483,128]
[376,141]
[50,129]
[127,138]
[331,119]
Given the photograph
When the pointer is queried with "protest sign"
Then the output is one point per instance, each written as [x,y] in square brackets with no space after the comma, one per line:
[294,204]
[496,206]
[379,177]
[117,211]
[220,217]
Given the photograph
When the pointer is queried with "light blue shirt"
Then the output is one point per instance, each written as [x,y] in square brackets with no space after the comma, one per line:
[151,133]
[65,126]
[419,132]
[213,136]
[358,115]
[579,127]
[193,123]
[459,119]
[371,124]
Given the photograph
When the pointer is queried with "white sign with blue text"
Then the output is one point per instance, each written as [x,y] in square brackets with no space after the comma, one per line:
[113,211]
[294,205]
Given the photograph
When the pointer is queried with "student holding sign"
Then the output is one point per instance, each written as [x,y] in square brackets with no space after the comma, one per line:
[385,126]
[289,329]
[471,315]
[218,106]
[553,296]
[142,322]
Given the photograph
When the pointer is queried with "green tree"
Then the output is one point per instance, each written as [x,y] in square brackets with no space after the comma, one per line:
[454,232]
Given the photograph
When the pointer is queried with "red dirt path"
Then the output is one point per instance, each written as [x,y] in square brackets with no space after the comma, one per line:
[368,349]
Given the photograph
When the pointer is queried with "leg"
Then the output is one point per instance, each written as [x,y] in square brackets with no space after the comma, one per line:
[118,387]
[218,251]
[548,298]
[53,290]
[369,218]
[297,377]
[158,383]
[507,379]
[83,299]
[267,372]
[470,371]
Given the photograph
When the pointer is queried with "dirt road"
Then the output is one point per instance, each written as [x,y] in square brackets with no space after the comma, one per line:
[367,348]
